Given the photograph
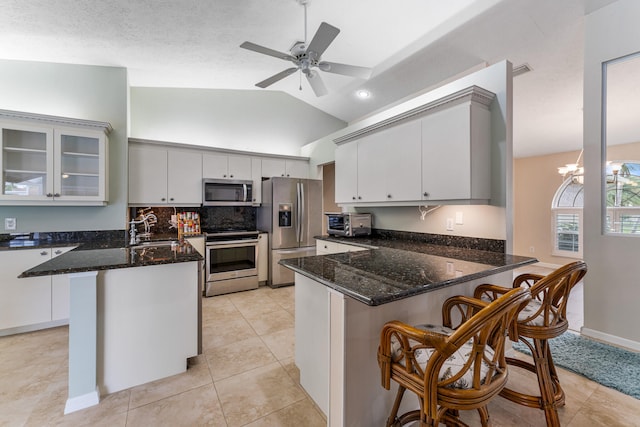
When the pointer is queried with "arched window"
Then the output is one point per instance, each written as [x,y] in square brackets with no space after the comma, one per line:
[623,207]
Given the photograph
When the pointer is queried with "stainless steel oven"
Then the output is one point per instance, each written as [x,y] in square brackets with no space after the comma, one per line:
[231,262]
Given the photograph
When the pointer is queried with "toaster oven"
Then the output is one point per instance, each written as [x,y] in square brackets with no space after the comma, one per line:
[348,224]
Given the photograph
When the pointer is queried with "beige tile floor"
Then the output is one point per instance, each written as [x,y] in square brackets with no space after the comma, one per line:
[246,377]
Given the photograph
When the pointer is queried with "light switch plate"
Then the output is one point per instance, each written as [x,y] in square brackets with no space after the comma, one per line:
[459,220]
[449,224]
[9,224]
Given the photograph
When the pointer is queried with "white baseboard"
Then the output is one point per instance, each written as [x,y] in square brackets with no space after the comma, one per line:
[611,339]
[80,402]
[547,265]
[34,327]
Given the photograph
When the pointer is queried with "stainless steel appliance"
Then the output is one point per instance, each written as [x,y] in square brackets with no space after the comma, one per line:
[348,224]
[226,192]
[231,262]
[291,212]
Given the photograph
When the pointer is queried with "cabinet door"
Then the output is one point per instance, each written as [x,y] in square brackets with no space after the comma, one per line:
[372,168]
[256,176]
[59,290]
[215,166]
[273,167]
[80,172]
[401,149]
[23,301]
[346,173]
[26,159]
[297,168]
[446,167]
[184,177]
[148,176]
[263,257]
[240,167]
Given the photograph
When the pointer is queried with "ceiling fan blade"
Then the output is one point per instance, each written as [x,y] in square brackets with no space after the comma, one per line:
[322,39]
[345,70]
[316,83]
[266,51]
[276,77]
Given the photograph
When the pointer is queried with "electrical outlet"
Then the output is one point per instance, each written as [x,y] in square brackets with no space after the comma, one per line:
[9,224]
[532,249]
[459,220]
[449,224]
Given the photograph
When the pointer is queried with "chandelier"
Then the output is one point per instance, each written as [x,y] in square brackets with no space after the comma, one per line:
[573,171]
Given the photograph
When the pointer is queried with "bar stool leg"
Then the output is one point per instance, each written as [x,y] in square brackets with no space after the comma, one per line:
[546,383]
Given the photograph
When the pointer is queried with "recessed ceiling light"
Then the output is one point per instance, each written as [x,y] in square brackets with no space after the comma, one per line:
[363,94]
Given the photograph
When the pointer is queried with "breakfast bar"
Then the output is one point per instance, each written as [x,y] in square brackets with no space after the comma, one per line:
[342,300]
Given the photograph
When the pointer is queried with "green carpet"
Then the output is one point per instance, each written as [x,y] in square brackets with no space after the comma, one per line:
[610,366]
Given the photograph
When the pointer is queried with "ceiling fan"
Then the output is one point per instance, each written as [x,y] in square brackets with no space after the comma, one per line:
[308,57]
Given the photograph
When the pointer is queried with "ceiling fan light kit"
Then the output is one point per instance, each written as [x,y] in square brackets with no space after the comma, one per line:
[307,58]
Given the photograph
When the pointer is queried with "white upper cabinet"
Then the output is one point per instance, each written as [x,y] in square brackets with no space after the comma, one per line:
[456,154]
[285,167]
[389,164]
[346,181]
[222,166]
[438,152]
[159,176]
[51,160]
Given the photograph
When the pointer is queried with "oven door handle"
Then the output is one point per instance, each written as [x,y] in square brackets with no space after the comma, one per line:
[236,243]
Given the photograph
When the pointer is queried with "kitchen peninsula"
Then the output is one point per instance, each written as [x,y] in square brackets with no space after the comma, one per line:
[342,300]
[134,314]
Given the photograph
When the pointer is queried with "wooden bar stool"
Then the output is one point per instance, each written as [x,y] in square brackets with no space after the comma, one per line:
[545,317]
[450,369]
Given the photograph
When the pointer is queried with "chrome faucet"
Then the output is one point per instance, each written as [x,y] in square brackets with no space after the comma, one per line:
[149,219]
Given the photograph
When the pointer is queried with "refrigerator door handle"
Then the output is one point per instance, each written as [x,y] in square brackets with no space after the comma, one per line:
[302,210]
[298,210]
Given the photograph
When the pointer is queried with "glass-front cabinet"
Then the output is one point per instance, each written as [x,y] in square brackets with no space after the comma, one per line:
[52,160]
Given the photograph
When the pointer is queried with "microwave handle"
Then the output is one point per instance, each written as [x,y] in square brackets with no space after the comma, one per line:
[244,190]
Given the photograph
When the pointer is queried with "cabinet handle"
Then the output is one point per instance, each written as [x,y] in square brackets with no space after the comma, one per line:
[56,194]
[354,197]
[49,195]
[287,174]
[163,199]
[224,175]
[425,194]
[388,196]
[58,252]
[359,197]
[325,246]
[43,253]
[230,176]
[171,199]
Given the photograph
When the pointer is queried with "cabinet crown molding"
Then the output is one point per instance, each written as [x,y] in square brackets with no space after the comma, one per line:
[56,120]
[474,94]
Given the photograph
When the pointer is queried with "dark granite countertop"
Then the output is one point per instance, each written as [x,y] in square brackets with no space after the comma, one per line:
[395,269]
[99,250]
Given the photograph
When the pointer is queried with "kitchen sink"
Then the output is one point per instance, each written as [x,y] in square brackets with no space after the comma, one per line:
[155,243]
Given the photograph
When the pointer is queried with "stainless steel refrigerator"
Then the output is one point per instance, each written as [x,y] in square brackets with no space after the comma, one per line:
[291,212]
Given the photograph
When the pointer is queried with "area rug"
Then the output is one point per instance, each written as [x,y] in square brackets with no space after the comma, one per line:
[610,366]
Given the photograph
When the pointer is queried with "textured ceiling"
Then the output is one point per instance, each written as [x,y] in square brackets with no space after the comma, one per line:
[411,45]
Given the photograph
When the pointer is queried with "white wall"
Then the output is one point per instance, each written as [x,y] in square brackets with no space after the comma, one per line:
[248,120]
[611,291]
[82,92]
[483,221]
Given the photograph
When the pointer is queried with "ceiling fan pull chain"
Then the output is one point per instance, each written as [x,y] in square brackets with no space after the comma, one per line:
[300,80]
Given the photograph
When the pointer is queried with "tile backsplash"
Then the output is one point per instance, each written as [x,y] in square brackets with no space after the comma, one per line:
[211,218]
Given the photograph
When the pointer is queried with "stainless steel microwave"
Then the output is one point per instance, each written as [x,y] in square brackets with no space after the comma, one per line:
[348,224]
[227,192]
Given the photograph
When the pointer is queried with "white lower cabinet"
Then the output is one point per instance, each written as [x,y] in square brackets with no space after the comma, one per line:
[263,257]
[325,247]
[31,303]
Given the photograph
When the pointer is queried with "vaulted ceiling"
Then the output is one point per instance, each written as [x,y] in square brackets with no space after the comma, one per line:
[411,46]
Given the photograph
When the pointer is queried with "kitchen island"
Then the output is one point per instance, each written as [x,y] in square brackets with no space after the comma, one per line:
[342,301]
[134,314]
